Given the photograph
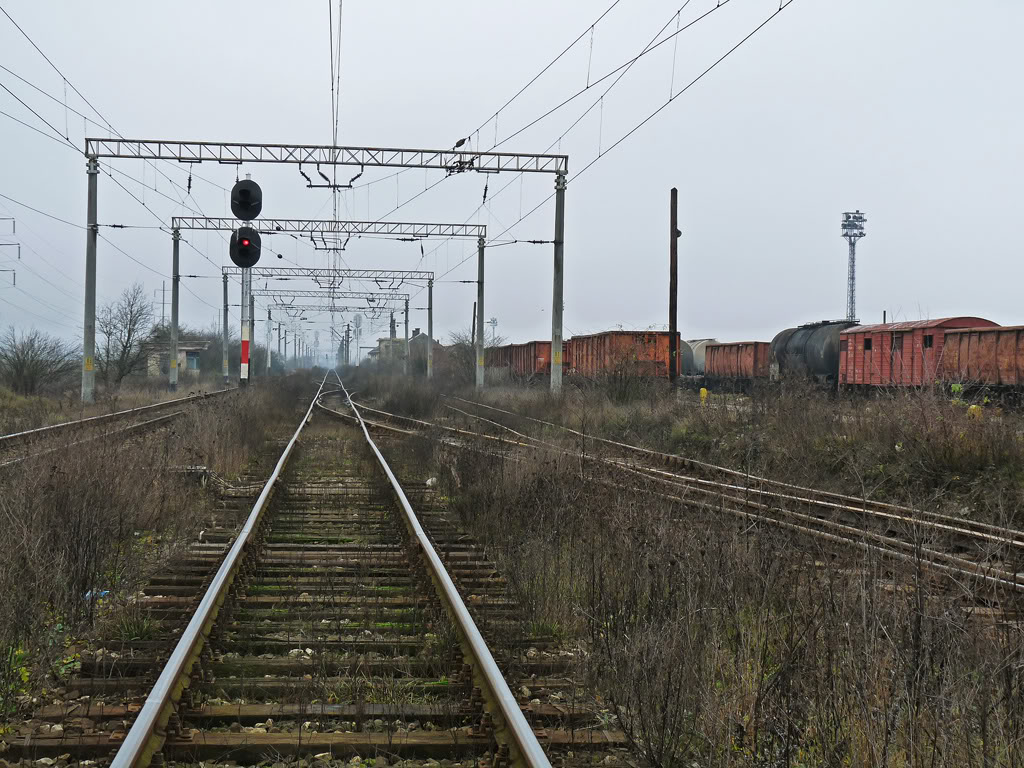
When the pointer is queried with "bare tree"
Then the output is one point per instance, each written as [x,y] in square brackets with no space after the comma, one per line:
[30,361]
[126,328]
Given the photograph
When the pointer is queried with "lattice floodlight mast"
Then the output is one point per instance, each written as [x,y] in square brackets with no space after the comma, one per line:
[853,230]
[234,153]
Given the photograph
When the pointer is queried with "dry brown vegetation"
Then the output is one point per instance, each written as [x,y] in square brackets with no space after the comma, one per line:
[716,644]
[81,528]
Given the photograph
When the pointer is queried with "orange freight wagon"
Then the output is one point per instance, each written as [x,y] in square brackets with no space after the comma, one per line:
[737,360]
[531,358]
[907,354]
[993,356]
[640,353]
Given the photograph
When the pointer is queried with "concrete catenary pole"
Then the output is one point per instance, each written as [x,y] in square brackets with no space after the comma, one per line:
[252,327]
[226,339]
[270,324]
[89,326]
[175,280]
[479,313]
[430,328]
[673,285]
[285,358]
[556,288]
[405,346]
[279,341]
[243,367]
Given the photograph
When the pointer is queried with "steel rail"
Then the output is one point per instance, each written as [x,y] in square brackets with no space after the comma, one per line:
[142,426]
[524,749]
[29,434]
[148,732]
[672,459]
[886,545]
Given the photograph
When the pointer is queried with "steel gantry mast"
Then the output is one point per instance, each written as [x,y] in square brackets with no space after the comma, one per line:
[451,161]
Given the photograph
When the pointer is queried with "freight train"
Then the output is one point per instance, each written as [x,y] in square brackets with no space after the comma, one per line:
[970,351]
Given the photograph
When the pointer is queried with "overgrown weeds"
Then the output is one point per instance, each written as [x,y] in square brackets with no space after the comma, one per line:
[82,528]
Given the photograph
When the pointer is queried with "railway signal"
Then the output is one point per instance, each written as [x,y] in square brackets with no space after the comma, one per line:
[246,200]
[245,247]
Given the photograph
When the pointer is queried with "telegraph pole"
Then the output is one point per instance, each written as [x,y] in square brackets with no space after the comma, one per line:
[673,286]
[224,341]
[175,279]
[89,327]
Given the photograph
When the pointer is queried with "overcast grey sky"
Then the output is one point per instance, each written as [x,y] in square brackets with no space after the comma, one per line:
[909,110]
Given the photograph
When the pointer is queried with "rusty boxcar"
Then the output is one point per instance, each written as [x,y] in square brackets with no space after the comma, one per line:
[737,360]
[531,358]
[641,353]
[991,356]
[906,354]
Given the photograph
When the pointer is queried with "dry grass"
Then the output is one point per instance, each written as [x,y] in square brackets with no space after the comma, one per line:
[92,523]
[719,645]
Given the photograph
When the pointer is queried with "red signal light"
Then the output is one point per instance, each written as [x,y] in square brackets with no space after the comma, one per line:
[245,242]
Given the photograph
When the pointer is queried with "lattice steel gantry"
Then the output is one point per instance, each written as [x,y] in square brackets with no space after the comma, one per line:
[237,153]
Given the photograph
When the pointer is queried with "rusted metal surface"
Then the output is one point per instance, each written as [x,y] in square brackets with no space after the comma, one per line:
[907,354]
[987,356]
[737,360]
[640,353]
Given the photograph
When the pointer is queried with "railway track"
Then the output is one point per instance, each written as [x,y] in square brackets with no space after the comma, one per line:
[338,622]
[17,446]
[969,553]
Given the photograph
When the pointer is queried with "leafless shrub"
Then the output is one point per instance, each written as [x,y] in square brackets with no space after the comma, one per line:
[32,361]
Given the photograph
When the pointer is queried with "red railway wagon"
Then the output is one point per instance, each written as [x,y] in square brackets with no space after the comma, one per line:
[905,354]
[993,356]
[737,360]
[641,353]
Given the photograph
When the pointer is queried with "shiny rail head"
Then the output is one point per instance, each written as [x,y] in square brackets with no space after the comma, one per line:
[526,751]
[147,734]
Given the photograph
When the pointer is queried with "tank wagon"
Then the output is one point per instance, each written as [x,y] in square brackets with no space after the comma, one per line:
[810,350]
[990,356]
[697,350]
[907,354]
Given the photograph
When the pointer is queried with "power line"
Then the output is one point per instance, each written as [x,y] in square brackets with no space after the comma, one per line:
[42,213]
[782,6]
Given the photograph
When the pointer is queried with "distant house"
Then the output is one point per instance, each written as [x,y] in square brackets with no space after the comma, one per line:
[159,355]
[390,349]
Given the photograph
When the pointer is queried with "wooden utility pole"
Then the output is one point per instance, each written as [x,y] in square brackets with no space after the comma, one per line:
[673,287]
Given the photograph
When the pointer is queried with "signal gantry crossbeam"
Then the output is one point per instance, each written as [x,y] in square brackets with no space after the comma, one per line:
[330,226]
[451,161]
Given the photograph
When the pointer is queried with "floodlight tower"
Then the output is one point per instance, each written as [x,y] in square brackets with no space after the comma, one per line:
[493,322]
[853,230]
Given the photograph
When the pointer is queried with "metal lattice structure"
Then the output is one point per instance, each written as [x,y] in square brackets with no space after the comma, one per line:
[852,230]
[328,274]
[329,226]
[451,161]
[231,153]
[369,296]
